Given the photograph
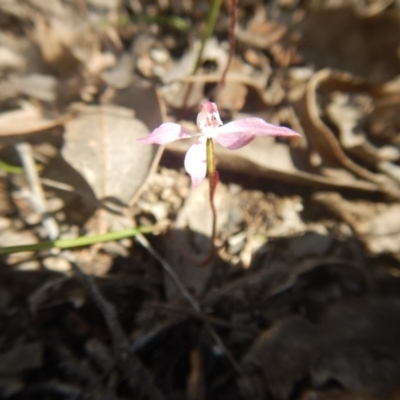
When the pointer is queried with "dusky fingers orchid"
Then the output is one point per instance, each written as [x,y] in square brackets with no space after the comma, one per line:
[199,159]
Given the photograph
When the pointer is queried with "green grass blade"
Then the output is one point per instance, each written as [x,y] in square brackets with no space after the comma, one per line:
[11,169]
[76,242]
[211,20]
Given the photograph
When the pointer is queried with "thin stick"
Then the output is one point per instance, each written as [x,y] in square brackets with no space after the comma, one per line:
[24,150]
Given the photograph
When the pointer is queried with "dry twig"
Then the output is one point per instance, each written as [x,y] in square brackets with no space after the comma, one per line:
[37,195]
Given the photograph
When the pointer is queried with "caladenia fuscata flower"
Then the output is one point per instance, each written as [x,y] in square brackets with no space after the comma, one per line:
[199,159]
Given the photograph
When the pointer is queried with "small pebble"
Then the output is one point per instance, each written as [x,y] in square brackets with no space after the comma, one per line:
[30,265]
[56,264]
[5,223]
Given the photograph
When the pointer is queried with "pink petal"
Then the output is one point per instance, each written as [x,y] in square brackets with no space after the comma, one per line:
[166,133]
[238,133]
[195,161]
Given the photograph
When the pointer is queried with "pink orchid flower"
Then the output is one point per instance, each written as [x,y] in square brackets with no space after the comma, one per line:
[233,135]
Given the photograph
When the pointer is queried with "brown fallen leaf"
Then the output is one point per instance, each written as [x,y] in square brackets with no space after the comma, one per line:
[101,145]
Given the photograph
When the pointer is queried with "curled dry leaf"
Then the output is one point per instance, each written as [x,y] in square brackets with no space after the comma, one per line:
[323,140]
[348,112]
[101,145]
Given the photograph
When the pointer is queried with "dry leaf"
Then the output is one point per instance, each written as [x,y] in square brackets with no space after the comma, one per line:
[322,139]
[101,145]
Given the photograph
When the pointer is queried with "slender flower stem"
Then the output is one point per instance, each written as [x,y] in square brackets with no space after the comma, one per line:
[210,157]
[213,184]
[213,179]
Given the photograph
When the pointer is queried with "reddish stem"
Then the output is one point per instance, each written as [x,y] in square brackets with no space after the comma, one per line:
[213,179]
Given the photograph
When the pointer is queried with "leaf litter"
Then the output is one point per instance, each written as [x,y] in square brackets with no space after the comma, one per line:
[302,300]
